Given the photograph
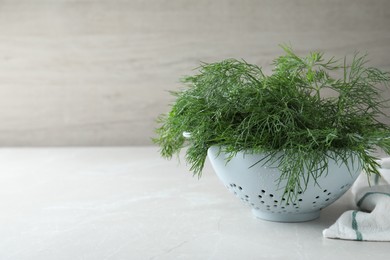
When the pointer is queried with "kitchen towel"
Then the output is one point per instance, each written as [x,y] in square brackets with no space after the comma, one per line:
[371,220]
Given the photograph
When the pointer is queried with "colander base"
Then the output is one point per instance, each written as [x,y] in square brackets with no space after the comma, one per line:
[293,217]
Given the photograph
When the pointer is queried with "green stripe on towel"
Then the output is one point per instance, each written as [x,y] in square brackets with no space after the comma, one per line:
[376,179]
[368,194]
[359,236]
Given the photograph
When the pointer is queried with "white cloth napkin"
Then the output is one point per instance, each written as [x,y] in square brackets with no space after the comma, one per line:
[372,221]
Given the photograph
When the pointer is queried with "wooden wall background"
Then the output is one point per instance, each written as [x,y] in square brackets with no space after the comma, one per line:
[96,72]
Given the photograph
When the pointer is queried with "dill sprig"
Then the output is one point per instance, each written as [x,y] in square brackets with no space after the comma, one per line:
[286,115]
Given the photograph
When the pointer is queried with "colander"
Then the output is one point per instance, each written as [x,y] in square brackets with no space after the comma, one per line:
[256,185]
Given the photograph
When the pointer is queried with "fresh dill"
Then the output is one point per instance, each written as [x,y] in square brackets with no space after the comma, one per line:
[234,105]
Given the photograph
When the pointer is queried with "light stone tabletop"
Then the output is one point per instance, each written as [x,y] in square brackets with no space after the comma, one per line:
[128,203]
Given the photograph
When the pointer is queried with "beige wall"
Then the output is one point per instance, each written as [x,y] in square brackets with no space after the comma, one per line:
[96,72]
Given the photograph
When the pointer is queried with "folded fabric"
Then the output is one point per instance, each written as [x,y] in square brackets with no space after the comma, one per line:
[372,221]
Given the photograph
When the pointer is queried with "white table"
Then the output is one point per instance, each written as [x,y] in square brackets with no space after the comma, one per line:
[128,203]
